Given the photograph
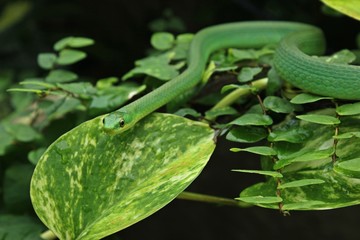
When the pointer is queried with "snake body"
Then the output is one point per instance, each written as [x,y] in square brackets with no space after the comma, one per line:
[292,61]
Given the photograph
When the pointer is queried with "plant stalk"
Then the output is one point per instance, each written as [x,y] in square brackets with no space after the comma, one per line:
[240,92]
[212,199]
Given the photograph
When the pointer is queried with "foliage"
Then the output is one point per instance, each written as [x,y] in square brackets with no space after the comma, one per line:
[63,100]
[350,7]
[112,179]
[309,159]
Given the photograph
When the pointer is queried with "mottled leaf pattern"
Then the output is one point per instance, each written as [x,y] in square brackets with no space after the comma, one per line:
[89,184]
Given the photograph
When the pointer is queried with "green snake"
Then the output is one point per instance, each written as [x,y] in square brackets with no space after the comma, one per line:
[296,42]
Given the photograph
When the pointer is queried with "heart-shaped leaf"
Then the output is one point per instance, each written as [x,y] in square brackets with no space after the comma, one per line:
[349,7]
[88,184]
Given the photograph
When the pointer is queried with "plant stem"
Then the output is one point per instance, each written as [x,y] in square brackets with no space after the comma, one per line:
[240,92]
[212,199]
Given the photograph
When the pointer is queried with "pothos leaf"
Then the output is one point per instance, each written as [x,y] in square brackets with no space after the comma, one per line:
[89,184]
[349,7]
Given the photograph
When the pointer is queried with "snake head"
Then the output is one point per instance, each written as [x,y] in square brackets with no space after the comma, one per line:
[117,122]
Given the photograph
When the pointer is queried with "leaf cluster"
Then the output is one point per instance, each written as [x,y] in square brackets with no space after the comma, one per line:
[36,111]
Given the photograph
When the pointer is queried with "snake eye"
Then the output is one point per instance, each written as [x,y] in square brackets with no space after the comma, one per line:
[121,122]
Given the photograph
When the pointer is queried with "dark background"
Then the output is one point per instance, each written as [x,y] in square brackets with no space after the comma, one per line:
[121,30]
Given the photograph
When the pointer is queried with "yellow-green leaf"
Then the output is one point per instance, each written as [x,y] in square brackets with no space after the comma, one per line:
[88,184]
[348,7]
[300,183]
[273,174]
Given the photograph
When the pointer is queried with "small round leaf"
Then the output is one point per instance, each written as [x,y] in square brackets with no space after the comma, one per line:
[349,109]
[60,76]
[162,40]
[69,56]
[46,60]
[320,119]
[277,104]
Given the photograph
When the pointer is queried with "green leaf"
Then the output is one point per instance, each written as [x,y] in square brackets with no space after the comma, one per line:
[157,67]
[106,82]
[21,101]
[306,205]
[181,48]
[248,73]
[225,68]
[110,98]
[210,69]
[184,38]
[274,82]
[252,119]
[320,119]
[234,86]
[347,135]
[46,60]
[273,174]
[342,57]
[349,168]
[12,13]
[349,7]
[162,40]
[25,90]
[277,104]
[240,54]
[236,55]
[261,150]
[300,183]
[305,157]
[349,109]
[83,89]
[60,76]
[22,132]
[19,227]
[38,83]
[6,77]
[340,189]
[326,10]
[292,135]
[246,134]
[89,184]
[162,72]
[6,140]
[261,199]
[35,155]
[68,104]
[187,111]
[307,98]
[73,42]
[217,112]
[69,56]
[16,195]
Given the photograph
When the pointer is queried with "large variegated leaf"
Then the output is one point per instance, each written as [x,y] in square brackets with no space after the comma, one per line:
[88,184]
[339,182]
[348,7]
